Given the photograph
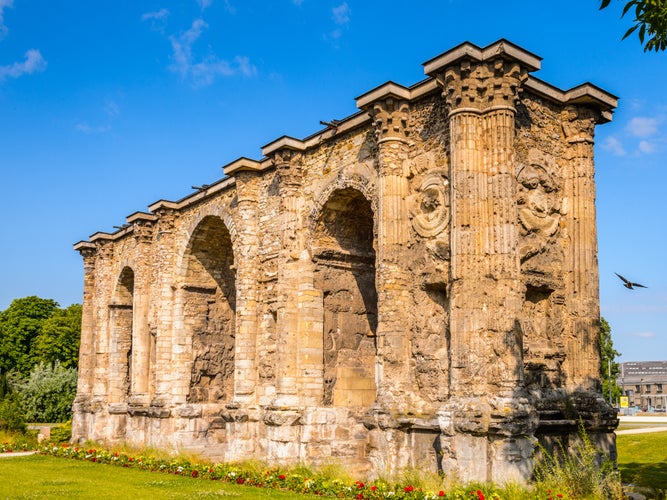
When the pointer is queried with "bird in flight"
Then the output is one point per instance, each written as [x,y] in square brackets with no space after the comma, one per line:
[629,284]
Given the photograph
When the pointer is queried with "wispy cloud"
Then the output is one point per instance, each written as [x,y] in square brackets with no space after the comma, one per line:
[33,63]
[158,19]
[90,129]
[341,18]
[642,126]
[204,71]
[644,335]
[204,4]
[4,4]
[341,14]
[614,146]
[112,109]
[297,2]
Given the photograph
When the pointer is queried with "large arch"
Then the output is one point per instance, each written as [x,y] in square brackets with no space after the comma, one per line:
[209,309]
[121,326]
[344,254]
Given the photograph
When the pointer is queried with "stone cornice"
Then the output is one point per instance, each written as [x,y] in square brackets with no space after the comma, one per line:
[468,51]
[244,164]
[586,94]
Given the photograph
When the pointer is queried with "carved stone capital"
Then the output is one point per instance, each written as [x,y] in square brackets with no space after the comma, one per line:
[482,85]
[390,119]
[288,164]
[143,231]
[578,124]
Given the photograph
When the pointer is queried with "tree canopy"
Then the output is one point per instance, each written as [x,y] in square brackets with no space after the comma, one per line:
[608,360]
[650,22]
[34,330]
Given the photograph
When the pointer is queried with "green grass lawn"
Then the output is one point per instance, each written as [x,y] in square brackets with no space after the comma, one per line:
[642,459]
[39,476]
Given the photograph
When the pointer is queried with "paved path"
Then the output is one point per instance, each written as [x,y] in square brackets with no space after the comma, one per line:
[17,454]
[642,430]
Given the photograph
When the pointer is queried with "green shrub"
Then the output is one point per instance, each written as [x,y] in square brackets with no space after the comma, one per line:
[48,393]
[12,417]
[62,433]
[583,471]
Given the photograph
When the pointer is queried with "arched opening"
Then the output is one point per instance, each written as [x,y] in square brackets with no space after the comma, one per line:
[120,352]
[209,308]
[345,274]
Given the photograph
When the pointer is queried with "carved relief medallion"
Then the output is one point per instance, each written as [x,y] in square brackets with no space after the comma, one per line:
[538,207]
[430,214]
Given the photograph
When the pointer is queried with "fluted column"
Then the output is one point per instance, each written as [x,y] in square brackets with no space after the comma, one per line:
[390,117]
[247,285]
[287,164]
[583,358]
[141,345]
[165,378]
[486,291]
[87,344]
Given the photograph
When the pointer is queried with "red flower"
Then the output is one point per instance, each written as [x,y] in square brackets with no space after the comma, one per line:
[211,471]
[195,473]
[441,493]
[94,459]
[480,495]
[373,488]
[281,477]
[360,485]
[360,496]
[408,489]
[560,495]
[240,480]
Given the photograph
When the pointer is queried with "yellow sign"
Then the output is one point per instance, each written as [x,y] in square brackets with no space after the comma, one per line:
[624,401]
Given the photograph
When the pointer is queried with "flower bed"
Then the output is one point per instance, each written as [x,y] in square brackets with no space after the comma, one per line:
[297,479]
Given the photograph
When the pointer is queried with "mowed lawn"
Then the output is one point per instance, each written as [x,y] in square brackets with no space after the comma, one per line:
[39,476]
[642,459]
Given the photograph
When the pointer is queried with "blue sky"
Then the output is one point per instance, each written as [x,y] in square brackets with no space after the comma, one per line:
[108,106]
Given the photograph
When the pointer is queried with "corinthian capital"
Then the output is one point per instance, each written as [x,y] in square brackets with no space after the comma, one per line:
[482,85]
[390,119]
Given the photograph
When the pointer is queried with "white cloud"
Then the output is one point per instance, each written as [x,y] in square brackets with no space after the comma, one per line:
[158,19]
[644,335]
[112,109]
[89,129]
[341,14]
[614,146]
[203,4]
[34,63]
[4,4]
[203,72]
[642,126]
[297,2]
[159,14]
[647,147]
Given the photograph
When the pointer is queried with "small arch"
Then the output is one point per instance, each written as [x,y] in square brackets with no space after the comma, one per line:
[344,254]
[209,310]
[121,328]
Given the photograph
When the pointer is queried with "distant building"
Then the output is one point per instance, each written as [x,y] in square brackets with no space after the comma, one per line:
[644,382]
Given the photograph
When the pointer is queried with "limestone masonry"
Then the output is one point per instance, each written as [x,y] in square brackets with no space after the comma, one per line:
[414,286]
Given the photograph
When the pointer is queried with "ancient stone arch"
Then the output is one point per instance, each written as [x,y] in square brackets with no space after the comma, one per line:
[414,285]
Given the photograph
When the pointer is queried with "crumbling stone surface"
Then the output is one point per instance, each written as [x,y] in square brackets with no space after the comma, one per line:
[413,286]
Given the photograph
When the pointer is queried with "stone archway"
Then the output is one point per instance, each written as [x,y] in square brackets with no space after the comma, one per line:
[209,309]
[344,254]
[121,324]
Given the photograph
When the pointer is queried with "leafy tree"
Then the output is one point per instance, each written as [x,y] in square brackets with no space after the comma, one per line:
[650,21]
[12,417]
[20,325]
[48,393]
[59,338]
[608,355]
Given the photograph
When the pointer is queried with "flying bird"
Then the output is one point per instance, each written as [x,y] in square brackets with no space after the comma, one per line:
[629,284]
